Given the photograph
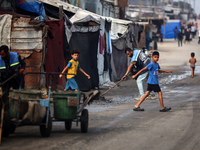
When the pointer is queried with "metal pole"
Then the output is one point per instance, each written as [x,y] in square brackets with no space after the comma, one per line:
[140,13]
[154,7]
[184,6]
[116,9]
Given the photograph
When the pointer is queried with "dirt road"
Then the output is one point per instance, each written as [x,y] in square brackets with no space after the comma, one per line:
[113,125]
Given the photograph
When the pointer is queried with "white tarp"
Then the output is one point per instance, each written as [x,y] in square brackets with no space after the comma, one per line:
[118,25]
[5,29]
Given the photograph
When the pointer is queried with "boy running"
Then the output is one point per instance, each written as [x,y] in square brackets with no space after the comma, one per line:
[192,62]
[73,67]
[152,81]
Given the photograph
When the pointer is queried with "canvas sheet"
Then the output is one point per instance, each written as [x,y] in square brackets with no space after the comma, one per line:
[87,44]
[5,29]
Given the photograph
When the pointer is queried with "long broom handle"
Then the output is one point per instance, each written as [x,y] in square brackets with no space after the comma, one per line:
[112,86]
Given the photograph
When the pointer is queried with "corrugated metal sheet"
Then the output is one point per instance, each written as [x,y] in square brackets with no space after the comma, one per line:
[25,38]
[29,44]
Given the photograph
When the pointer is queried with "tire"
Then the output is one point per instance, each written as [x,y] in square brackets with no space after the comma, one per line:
[6,125]
[46,132]
[84,121]
[68,124]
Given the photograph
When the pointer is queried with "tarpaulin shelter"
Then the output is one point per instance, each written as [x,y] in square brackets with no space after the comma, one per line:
[85,36]
[34,6]
[112,63]
[119,60]
[168,29]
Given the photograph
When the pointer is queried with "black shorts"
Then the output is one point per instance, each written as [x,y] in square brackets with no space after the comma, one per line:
[153,87]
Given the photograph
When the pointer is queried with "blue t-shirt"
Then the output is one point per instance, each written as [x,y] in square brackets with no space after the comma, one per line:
[153,73]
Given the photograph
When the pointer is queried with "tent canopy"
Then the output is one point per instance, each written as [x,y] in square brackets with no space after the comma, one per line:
[168,29]
[118,26]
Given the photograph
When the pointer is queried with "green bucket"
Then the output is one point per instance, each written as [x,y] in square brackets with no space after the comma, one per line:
[63,110]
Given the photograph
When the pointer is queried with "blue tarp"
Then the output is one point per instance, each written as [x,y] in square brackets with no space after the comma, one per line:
[169,29]
[32,6]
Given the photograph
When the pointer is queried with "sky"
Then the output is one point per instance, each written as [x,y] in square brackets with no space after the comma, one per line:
[197,4]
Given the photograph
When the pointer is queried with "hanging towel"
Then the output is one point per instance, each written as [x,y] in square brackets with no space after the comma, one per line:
[101,45]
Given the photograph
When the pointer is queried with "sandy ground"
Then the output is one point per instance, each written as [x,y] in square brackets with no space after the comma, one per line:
[113,125]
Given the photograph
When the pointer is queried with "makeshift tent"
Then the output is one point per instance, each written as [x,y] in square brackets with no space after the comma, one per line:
[112,61]
[167,29]
[85,35]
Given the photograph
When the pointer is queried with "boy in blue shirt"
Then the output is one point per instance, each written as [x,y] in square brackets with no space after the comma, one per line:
[152,81]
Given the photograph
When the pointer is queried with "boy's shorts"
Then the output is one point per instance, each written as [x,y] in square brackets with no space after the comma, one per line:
[71,84]
[153,87]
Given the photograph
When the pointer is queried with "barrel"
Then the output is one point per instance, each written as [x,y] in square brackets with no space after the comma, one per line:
[65,104]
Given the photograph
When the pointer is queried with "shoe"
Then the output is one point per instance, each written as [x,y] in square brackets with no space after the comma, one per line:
[138,98]
[165,109]
[138,109]
[151,97]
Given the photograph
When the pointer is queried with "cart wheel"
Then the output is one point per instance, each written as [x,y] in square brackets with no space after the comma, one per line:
[68,124]
[6,125]
[45,132]
[12,129]
[84,121]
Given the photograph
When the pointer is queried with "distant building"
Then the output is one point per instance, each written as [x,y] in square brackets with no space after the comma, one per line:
[100,7]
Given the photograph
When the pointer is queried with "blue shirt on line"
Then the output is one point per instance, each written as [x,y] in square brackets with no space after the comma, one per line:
[153,73]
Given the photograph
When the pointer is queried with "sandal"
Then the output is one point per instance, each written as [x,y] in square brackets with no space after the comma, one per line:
[138,109]
[165,109]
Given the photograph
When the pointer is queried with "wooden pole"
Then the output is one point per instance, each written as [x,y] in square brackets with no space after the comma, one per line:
[60,11]
[140,13]
[1,124]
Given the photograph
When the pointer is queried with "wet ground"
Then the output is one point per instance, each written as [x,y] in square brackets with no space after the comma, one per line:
[113,125]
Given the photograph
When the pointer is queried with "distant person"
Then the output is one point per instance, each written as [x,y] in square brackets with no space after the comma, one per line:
[161,37]
[148,41]
[152,81]
[187,36]
[176,33]
[180,37]
[192,62]
[199,37]
[73,66]
[196,28]
[192,30]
